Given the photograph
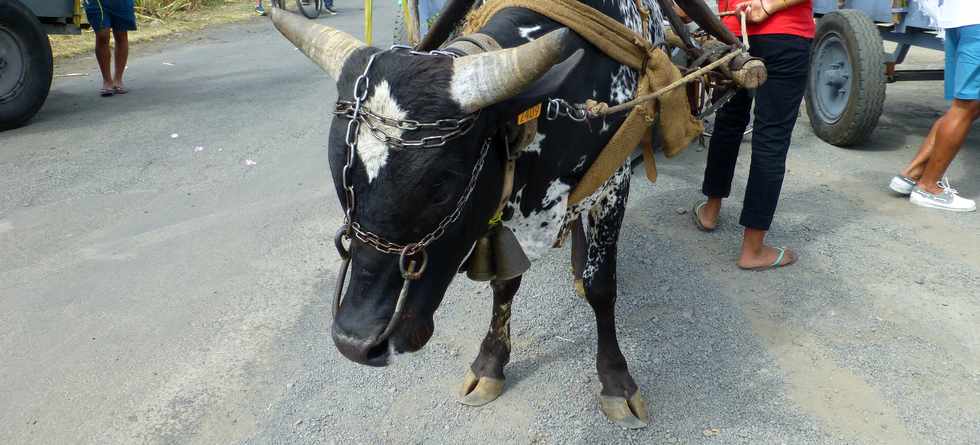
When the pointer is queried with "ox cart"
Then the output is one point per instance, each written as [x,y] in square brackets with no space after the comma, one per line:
[850,69]
[26,66]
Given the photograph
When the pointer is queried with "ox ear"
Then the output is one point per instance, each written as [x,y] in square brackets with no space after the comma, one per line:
[539,92]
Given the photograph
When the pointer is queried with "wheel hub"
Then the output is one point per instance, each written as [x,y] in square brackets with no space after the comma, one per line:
[836,77]
[12,64]
[831,72]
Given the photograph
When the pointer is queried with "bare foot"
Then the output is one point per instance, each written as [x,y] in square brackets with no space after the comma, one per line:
[766,257]
[118,88]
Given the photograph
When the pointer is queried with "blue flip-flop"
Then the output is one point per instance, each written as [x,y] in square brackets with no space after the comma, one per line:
[775,264]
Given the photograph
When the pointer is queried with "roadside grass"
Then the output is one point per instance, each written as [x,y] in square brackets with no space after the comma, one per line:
[161,18]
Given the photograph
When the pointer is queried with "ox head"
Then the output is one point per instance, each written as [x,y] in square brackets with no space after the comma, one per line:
[404,194]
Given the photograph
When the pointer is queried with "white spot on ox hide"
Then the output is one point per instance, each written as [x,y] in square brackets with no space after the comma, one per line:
[534,147]
[526,32]
[602,204]
[538,230]
[374,153]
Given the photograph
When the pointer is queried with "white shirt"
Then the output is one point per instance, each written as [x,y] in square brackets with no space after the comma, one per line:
[957,13]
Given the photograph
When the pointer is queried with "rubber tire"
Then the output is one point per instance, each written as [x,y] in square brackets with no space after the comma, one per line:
[867,95]
[316,7]
[39,66]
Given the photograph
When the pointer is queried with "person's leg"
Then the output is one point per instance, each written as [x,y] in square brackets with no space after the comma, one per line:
[121,39]
[730,123]
[918,163]
[104,56]
[259,9]
[915,167]
[98,19]
[951,131]
[962,86]
[777,107]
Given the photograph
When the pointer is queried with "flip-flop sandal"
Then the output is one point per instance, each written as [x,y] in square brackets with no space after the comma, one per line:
[120,90]
[697,217]
[106,92]
[775,264]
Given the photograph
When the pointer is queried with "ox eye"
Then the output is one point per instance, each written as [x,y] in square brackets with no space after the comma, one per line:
[442,192]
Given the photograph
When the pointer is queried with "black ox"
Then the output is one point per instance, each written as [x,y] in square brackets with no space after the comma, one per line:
[402,194]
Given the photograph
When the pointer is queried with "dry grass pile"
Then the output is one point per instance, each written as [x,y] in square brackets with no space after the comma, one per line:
[163,9]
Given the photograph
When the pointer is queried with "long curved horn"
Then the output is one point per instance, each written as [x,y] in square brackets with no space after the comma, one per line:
[485,79]
[327,47]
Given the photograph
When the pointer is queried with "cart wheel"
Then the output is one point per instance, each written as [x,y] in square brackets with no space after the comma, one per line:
[846,87]
[25,65]
[310,8]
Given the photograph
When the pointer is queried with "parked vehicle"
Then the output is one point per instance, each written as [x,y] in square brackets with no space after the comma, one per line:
[849,68]
[26,66]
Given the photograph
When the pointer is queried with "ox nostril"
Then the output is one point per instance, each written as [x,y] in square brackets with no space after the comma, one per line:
[378,353]
[361,351]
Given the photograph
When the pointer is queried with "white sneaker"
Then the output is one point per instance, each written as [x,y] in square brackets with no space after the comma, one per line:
[902,185]
[949,199]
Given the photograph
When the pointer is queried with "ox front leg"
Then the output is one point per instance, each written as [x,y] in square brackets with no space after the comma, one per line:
[484,381]
[620,399]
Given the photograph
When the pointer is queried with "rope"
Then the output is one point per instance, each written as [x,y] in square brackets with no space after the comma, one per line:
[596,109]
[629,48]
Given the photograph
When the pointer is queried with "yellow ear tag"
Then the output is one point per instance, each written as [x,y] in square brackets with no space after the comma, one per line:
[529,115]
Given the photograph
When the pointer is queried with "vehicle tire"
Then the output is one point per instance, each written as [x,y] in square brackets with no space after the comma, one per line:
[310,8]
[26,66]
[846,87]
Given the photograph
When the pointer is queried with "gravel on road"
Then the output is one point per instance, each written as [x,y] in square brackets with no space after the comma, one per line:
[159,289]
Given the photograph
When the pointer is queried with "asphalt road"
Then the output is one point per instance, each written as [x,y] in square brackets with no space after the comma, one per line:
[166,260]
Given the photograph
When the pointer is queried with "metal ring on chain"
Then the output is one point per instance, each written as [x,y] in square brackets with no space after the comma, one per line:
[338,240]
[338,291]
[408,267]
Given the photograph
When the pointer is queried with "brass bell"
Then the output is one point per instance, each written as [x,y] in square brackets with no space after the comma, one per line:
[480,265]
[508,255]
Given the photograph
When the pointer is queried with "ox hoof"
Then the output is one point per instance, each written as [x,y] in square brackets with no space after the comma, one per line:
[628,413]
[479,391]
[580,287]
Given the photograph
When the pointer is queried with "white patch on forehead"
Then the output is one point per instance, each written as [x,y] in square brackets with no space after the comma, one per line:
[526,32]
[372,152]
[538,230]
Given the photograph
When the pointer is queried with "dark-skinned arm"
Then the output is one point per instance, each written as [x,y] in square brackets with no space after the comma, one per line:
[758,11]
[699,12]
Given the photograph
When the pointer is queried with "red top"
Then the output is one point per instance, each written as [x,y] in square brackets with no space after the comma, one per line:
[796,20]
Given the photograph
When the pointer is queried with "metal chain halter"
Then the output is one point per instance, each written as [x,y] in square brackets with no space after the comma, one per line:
[410,267]
[358,114]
